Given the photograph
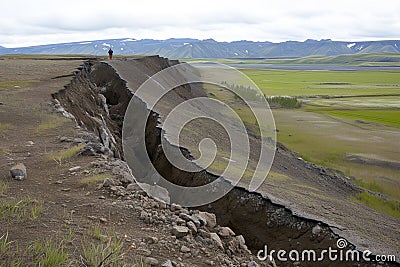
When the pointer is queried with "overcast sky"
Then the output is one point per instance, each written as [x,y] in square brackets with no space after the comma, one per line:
[24,23]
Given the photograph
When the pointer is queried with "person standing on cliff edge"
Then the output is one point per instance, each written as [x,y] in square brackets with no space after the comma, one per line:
[110,53]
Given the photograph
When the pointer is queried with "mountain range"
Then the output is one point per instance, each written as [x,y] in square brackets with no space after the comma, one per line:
[209,48]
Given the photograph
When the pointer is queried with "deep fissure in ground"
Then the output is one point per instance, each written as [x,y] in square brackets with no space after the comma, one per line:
[97,98]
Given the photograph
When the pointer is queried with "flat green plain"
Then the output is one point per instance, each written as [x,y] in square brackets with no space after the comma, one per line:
[345,114]
[325,83]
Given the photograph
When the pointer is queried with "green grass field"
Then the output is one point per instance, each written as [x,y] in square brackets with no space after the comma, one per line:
[325,83]
[346,113]
[389,117]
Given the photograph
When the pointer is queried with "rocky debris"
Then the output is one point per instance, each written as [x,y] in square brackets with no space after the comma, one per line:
[253,264]
[316,230]
[93,149]
[185,249]
[214,237]
[225,232]
[210,218]
[152,240]
[270,262]
[242,242]
[29,143]
[167,263]
[18,172]
[192,234]
[151,261]
[180,231]
[192,227]
[144,252]
[61,110]
[73,169]
[108,182]
[159,192]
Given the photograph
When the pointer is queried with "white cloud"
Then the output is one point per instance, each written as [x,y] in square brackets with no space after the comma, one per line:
[46,21]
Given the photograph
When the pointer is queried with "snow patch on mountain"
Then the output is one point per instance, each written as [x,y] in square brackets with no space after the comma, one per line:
[128,40]
[351,45]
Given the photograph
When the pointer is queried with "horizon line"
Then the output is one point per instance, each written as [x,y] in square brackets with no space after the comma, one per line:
[243,40]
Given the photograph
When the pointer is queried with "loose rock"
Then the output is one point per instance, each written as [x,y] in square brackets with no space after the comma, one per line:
[30,143]
[144,252]
[316,230]
[108,182]
[74,168]
[185,249]
[167,263]
[192,227]
[225,232]
[18,172]
[209,218]
[180,231]
[151,261]
[216,240]
[253,264]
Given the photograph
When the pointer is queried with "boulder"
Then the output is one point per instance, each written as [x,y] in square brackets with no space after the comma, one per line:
[18,171]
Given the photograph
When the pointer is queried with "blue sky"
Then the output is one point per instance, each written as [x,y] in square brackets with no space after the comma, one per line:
[36,22]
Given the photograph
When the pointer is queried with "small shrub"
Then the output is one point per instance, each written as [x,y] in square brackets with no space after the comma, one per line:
[6,127]
[373,186]
[3,188]
[49,254]
[94,179]
[65,154]
[108,253]
[284,101]
[50,122]
[22,209]
[96,232]
[8,249]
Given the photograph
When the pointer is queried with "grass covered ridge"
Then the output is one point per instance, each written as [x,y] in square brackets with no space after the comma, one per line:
[390,207]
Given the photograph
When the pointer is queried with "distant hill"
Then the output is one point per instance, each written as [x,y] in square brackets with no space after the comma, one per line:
[193,48]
